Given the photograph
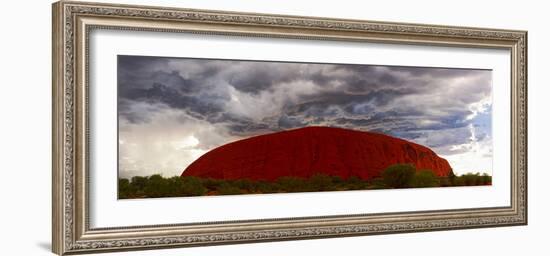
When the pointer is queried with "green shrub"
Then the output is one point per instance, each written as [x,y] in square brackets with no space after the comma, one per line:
[445,182]
[451,176]
[353,183]
[228,189]
[425,178]
[125,189]
[353,179]
[459,181]
[399,175]
[469,179]
[395,176]
[175,185]
[472,179]
[156,186]
[320,182]
[376,183]
[291,184]
[139,182]
[267,187]
[337,180]
[192,186]
[244,184]
[211,184]
[486,179]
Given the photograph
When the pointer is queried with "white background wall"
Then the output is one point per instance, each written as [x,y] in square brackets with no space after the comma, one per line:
[25,100]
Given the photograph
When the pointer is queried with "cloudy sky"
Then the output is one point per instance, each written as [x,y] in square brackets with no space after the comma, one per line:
[173,110]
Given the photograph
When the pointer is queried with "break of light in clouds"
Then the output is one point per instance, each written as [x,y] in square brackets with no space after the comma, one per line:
[173,110]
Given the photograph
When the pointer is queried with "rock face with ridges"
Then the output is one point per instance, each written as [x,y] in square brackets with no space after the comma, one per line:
[306,151]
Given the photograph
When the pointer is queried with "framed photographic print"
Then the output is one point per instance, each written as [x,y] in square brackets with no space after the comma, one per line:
[178,127]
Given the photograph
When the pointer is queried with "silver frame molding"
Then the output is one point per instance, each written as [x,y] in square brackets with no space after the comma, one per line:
[72,22]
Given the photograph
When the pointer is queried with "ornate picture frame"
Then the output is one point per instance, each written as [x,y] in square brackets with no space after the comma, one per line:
[72,24]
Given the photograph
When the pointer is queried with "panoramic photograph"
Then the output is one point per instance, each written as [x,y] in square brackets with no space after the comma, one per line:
[211,127]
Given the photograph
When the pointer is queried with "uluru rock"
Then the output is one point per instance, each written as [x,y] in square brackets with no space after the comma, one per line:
[307,151]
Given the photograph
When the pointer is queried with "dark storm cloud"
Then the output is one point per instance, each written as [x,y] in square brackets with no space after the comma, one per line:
[252,97]
[260,77]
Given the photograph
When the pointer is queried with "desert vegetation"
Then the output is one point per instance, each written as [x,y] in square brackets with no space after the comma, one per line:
[395,176]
